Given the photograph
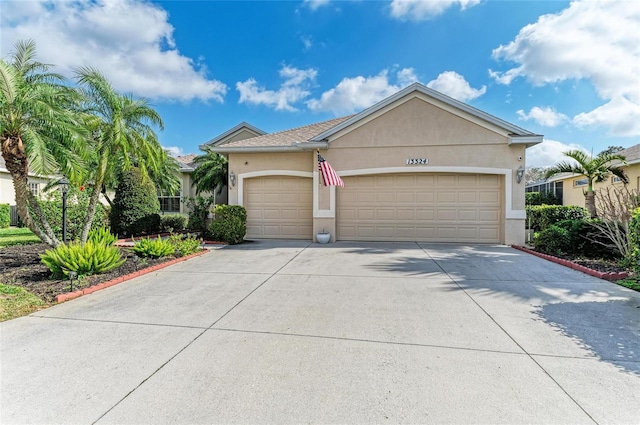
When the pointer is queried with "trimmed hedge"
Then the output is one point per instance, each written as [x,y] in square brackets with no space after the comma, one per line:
[5,216]
[136,207]
[538,198]
[540,217]
[229,224]
[173,222]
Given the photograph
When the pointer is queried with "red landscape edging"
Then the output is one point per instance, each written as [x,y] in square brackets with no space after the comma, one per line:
[611,276]
[75,294]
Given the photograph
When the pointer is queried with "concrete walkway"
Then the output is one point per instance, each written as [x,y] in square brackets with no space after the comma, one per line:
[292,332]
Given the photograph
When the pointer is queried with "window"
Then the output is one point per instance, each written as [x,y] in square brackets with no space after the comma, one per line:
[580,182]
[169,203]
[616,179]
[34,188]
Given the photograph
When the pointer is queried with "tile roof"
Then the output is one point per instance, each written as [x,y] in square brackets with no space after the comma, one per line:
[287,137]
[632,154]
[186,161]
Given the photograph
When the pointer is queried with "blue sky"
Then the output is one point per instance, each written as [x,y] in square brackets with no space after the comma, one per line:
[567,70]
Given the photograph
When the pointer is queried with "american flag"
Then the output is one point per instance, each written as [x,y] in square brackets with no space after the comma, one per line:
[329,177]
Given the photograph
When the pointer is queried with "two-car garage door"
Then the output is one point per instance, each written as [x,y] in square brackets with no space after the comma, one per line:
[385,207]
[421,207]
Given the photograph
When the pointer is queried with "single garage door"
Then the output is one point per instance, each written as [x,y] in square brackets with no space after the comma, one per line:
[279,207]
[421,207]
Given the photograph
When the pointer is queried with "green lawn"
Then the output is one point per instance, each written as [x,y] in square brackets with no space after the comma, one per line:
[17,236]
[16,302]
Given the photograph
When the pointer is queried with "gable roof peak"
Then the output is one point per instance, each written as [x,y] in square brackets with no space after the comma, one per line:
[516,132]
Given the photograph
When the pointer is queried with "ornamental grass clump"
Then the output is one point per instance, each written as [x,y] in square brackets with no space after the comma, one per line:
[87,259]
[153,248]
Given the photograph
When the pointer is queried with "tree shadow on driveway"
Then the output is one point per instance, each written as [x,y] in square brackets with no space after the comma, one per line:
[600,317]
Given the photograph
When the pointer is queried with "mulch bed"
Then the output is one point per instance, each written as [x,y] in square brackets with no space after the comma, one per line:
[20,266]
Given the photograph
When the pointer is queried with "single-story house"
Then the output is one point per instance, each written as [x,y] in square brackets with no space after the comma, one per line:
[8,194]
[417,166]
[570,188]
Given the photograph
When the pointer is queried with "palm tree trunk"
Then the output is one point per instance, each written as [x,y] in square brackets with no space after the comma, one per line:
[93,200]
[590,203]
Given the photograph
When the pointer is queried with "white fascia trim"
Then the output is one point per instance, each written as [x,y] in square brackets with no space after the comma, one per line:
[232,130]
[294,147]
[525,140]
[317,212]
[266,173]
[509,213]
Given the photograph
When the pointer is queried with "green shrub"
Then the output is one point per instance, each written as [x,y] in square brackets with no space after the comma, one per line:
[198,213]
[634,241]
[135,206]
[540,217]
[585,240]
[90,258]
[552,240]
[229,223]
[153,248]
[77,205]
[5,216]
[541,198]
[102,236]
[173,223]
[185,245]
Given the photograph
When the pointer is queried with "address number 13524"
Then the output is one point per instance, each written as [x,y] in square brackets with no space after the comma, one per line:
[417,161]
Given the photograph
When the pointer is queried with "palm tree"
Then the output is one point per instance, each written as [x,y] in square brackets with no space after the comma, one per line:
[595,169]
[39,131]
[123,134]
[210,174]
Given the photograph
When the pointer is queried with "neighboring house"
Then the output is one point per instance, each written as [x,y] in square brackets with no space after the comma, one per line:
[570,188]
[8,194]
[417,166]
[174,203]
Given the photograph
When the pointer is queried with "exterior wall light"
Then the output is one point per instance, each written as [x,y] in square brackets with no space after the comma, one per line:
[519,174]
[232,178]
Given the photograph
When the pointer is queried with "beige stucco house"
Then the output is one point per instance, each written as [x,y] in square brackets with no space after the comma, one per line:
[571,187]
[417,166]
[8,194]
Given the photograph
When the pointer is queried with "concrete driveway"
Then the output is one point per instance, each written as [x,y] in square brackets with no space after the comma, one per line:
[292,332]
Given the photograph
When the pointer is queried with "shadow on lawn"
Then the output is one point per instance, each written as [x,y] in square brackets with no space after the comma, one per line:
[598,316]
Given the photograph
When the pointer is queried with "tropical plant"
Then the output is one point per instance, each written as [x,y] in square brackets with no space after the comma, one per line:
[103,236]
[210,174]
[185,245]
[90,258]
[199,212]
[595,169]
[39,130]
[153,248]
[123,131]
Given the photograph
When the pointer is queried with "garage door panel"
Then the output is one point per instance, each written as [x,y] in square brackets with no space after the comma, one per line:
[421,206]
[279,207]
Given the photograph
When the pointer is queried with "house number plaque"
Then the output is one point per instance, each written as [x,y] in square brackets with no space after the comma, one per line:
[417,161]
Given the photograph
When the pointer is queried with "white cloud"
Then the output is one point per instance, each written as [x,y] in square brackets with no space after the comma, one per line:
[549,153]
[129,41]
[352,94]
[174,151]
[316,4]
[454,85]
[546,116]
[293,90]
[419,10]
[620,116]
[594,40]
